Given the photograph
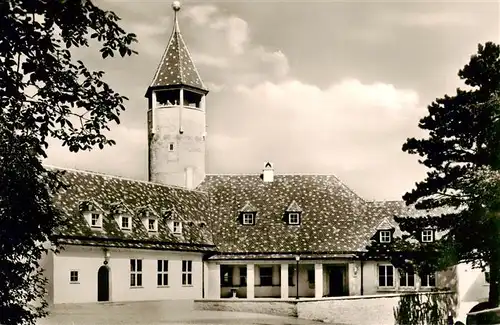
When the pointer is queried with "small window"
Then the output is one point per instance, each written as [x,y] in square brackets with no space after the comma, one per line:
[487,277]
[125,222]
[187,273]
[162,276]
[171,146]
[427,236]
[406,279]
[385,236]
[152,224]
[428,280]
[386,275]
[266,276]
[177,227]
[226,275]
[293,218]
[243,275]
[135,273]
[73,276]
[96,221]
[248,219]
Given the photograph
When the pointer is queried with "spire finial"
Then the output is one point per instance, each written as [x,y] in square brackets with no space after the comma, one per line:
[176,5]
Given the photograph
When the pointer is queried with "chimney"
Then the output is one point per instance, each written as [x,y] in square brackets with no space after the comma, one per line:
[268,173]
[189,177]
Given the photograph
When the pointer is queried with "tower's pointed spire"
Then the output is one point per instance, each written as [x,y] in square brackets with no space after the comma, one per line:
[176,67]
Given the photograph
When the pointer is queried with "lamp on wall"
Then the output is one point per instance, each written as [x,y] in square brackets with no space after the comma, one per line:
[106,255]
[297,259]
[355,270]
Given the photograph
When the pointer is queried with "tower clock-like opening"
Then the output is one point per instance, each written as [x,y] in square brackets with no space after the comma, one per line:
[168,97]
[192,99]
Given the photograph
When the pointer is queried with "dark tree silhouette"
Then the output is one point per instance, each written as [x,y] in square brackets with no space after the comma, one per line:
[45,94]
[462,152]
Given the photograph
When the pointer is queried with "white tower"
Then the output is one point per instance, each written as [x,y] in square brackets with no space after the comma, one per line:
[176,117]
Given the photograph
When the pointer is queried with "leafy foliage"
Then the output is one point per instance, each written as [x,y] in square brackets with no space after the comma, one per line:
[418,309]
[45,94]
[460,195]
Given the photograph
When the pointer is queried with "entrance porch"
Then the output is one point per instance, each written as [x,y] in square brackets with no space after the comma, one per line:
[279,279]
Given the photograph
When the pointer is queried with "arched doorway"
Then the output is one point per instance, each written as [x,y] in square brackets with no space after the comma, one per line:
[103,284]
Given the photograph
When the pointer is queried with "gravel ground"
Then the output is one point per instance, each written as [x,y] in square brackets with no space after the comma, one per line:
[156,313]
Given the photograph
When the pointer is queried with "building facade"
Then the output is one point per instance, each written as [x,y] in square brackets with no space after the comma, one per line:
[186,234]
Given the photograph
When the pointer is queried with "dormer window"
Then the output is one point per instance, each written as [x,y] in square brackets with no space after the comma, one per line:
[427,236]
[293,218]
[248,218]
[177,228]
[152,224]
[96,220]
[385,236]
[293,214]
[247,214]
[126,223]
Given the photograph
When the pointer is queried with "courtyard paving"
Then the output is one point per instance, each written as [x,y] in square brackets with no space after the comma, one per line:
[156,313]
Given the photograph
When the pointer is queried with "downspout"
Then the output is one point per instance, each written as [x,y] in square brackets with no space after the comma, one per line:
[203,277]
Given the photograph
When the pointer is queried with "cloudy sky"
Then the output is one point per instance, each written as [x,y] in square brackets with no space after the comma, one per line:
[330,87]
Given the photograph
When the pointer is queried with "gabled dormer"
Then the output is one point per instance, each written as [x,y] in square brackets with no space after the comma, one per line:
[293,214]
[385,232]
[123,215]
[93,213]
[427,235]
[173,220]
[247,214]
[149,218]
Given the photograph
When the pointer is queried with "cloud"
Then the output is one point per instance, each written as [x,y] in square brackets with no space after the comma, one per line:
[434,19]
[225,52]
[348,127]
[128,158]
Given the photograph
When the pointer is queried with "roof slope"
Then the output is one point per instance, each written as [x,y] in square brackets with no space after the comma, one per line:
[334,219]
[176,65]
[133,195]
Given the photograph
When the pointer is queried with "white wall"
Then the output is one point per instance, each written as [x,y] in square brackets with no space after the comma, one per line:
[88,260]
[472,288]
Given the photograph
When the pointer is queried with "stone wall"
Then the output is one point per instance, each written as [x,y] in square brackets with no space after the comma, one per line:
[350,310]
[261,306]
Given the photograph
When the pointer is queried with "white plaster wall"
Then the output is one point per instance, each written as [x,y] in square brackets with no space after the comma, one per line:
[88,260]
[213,284]
[47,264]
[168,167]
[472,288]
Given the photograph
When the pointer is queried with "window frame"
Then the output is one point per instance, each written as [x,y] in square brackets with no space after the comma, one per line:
[386,276]
[230,279]
[385,239]
[243,275]
[252,218]
[129,222]
[177,230]
[268,278]
[98,223]
[294,214]
[425,237]
[162,273]
[155,224]
[136,273]
[187,273]
[71,278]
[427,278]
[403,275]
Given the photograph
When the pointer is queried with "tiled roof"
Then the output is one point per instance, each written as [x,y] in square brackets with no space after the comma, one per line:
[133,196]
[176,65]
[334,219]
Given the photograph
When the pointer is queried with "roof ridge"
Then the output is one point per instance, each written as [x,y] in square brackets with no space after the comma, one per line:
[124,178]
[342,183]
